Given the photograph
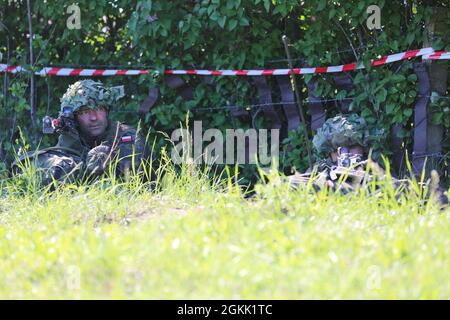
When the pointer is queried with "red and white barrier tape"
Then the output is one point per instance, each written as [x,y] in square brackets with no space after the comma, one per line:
[437,55]
[70,72]
[426,53]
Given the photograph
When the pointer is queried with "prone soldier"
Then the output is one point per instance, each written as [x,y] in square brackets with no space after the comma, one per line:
[88,141]
[342,147]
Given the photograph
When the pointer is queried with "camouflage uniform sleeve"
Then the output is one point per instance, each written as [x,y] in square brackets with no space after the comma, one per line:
[50,164]
[131,150]
[70,141]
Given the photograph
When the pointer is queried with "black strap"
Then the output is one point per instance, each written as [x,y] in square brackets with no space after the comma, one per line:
[177,83]
[396,143]
[315,106]
[150,101]
[265,97]
[289,107]
[438,74]
[420,118]
[238,112]
[174,82]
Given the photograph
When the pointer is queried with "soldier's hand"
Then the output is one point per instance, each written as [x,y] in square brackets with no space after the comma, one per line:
[98,159]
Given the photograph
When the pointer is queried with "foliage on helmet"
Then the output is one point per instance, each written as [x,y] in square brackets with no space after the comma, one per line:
[343,131]
[91,94]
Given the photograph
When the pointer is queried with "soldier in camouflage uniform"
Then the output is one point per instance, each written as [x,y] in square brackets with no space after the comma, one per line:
[88,141]
[341,147]
[344,138]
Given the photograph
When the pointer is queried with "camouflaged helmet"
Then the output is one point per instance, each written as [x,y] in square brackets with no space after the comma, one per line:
[341,131]
[91,94]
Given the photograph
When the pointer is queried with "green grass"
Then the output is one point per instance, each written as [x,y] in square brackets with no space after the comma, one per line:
[190,238]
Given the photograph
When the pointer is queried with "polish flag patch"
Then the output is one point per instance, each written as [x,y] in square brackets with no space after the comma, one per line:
[127,139]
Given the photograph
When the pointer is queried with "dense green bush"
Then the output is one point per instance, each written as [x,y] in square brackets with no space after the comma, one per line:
[211,35]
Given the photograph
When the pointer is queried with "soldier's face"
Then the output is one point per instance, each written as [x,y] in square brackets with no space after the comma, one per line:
[92,122]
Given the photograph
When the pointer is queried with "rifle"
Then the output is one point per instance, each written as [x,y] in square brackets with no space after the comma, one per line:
[64,123]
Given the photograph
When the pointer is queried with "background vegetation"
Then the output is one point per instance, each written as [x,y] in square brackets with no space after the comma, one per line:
[213,34]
